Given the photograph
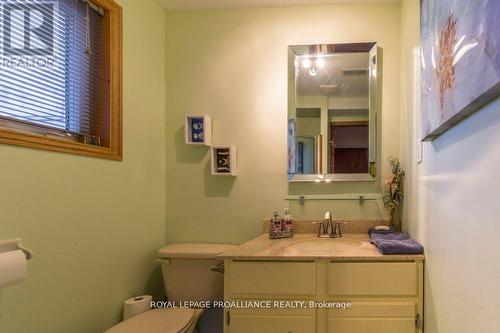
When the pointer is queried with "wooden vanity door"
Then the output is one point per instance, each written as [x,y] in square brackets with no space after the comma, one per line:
[384,297]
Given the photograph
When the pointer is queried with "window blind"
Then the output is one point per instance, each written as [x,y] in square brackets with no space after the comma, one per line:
[66,89]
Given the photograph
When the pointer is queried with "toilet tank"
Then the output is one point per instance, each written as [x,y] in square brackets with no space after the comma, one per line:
[187,274]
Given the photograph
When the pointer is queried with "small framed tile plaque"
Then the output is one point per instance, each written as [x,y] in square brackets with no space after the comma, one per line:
[198,130]
[224,160]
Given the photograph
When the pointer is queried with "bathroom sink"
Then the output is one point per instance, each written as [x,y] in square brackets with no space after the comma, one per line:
[326,245]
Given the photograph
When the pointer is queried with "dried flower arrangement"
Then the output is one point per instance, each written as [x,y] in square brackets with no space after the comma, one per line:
[394,192]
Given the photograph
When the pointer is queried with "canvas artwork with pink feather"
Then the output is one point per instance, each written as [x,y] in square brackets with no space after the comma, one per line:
[460,61]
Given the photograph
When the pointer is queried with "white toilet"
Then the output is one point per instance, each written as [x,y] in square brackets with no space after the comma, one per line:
[187,276]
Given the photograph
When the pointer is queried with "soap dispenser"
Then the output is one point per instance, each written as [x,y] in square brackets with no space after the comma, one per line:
[287,222]
[275,226]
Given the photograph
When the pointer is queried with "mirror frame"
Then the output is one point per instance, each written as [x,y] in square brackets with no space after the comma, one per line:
[374,75]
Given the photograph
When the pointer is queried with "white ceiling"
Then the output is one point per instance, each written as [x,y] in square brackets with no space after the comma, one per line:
[329,80]
[218,4]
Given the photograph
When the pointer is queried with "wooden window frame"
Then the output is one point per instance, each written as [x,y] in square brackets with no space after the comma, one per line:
[113,24]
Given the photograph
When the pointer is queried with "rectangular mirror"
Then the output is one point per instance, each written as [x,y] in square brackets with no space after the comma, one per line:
[332,112]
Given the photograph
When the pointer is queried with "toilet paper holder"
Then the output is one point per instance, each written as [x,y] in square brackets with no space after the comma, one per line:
[27,252]
[15,244]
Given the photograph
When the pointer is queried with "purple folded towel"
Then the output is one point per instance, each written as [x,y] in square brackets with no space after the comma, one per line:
[396,243]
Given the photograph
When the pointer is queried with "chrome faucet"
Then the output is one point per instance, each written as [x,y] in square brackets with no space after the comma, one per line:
[329,229]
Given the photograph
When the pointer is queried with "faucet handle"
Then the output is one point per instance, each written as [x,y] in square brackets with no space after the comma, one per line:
[338,230]
[321,229]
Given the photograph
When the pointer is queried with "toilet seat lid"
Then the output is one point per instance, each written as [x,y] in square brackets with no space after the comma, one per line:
[165,320]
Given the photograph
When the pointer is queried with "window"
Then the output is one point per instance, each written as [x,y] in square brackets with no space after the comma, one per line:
[61,76]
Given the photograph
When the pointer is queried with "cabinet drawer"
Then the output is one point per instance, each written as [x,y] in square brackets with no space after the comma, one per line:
[272,321]
[372,325]
[372,279]
[272,278]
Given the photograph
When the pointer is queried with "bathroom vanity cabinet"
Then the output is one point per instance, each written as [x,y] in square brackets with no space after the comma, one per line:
[385,293]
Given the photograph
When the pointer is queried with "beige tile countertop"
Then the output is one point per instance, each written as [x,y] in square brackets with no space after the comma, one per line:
[351,247]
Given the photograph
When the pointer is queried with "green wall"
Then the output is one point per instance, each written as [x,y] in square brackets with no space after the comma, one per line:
[232,65]
[93,224]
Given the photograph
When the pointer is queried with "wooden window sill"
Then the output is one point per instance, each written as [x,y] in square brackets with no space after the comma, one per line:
[59,145]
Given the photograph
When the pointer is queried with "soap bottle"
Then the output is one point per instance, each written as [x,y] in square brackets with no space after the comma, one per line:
[287,221]
[275,225]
